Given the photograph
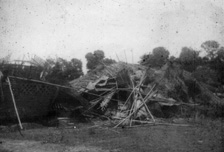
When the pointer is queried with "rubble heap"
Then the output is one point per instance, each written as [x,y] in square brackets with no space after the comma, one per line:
[134,93]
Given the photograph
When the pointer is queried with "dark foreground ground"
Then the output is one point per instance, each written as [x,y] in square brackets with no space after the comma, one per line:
[201,136]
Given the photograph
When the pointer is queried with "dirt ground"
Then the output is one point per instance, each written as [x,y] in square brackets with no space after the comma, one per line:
[201,136]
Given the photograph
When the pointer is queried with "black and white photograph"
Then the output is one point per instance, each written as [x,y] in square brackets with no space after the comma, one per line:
[111,76]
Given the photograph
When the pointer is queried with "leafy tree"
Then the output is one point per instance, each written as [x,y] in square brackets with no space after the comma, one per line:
[61,71]
[220,53]
[220,64]
[188,55]
[189,59]
[157,58]
[217,64]
[99,55]
[97,58]
[211,48]
[215,58]
[74,69]
[91,61]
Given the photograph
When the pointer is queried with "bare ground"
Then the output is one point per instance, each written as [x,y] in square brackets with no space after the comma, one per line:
[206,135]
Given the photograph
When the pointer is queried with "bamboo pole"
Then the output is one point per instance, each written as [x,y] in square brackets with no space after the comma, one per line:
[1,88]
[133,89]
[146,107]
[2,93]
[129,97]
[132,109]
[150,92]
[14,103]
[145,99]
[32,80]
[136,87]
[160,123]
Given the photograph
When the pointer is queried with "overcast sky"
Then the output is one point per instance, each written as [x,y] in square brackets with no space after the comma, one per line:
[72,28]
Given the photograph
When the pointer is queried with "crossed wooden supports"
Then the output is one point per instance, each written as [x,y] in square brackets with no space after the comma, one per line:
[138,97]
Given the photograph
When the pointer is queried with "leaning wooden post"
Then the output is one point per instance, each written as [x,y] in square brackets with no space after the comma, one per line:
[14,103]
[147,109]
[144,101]
[2,94]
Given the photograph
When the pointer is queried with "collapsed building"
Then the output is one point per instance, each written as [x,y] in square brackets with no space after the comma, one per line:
[129,93]
[134,93]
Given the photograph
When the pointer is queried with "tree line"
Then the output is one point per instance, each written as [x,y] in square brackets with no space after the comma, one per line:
[206,64]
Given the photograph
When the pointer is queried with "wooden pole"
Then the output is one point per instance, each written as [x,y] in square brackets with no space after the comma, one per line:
[136,87]
[32,80]
[132,108]
[144,101]
[2,94]
[129,97]
[158,123]
[146,107]
[1,88]
[14,103]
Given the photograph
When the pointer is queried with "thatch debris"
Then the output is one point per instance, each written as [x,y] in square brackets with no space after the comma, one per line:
[127,93]
[133,93]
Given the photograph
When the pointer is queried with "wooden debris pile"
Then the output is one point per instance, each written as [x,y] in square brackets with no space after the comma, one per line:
[135,94]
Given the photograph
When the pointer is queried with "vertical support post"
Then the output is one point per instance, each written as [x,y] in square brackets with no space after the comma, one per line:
[14,103]
[146,107]
[132,109]
[1,88]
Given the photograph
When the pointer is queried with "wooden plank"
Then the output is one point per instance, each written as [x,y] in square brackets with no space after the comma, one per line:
[14,103]
[145,100]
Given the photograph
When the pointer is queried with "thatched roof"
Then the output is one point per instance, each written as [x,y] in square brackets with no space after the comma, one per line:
[111,71]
